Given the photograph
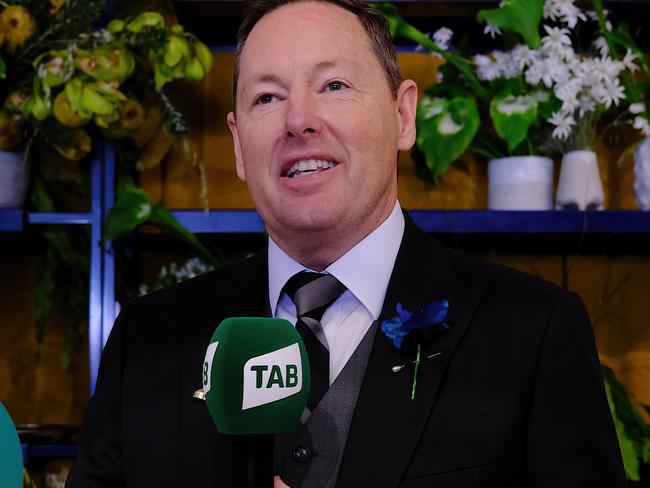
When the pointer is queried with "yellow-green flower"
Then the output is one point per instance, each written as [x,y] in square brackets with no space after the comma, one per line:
[16,26]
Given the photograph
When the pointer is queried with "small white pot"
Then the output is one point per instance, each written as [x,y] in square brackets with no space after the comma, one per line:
[13,179]
[579,187]
[642,174]
[520,183]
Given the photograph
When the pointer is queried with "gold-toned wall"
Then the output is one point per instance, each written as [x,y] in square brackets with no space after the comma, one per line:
[33,386]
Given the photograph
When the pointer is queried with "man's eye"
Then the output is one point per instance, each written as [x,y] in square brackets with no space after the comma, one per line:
[264,99]
[335,85]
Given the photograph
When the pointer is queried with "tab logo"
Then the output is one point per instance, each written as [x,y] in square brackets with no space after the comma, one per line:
[272,377]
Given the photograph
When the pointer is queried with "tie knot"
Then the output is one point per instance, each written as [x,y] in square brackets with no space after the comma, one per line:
[312,293]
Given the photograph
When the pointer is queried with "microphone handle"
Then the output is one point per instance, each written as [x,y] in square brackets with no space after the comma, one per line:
[253,461]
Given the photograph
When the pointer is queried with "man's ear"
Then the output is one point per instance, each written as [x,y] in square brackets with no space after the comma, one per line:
[239,162]
[407,100]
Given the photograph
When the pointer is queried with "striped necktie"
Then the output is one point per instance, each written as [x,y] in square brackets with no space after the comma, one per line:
[312,293]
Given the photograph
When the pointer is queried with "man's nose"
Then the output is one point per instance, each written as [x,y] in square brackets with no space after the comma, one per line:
[302,118]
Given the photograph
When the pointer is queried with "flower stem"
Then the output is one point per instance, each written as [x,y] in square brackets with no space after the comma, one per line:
[415,373]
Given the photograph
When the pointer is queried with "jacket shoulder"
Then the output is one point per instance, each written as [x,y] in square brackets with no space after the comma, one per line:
[505,283]
[219,282]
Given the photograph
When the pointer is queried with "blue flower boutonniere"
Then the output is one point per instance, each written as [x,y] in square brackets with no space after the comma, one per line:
[420,325]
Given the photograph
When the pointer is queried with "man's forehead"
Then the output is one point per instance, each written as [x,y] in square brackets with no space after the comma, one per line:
[295,23]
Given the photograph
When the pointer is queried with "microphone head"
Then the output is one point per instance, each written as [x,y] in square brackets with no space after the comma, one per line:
[256,376]
[11,456]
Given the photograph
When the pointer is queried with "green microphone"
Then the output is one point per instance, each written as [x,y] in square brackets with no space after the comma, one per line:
[11,456]
[256,376]
[256,382]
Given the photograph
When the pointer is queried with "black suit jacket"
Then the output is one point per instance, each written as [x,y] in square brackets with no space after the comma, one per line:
[516,398]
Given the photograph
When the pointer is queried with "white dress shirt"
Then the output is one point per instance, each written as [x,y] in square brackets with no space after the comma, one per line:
[365,271]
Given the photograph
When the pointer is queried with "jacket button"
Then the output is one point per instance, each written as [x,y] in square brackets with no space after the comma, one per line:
[301,454]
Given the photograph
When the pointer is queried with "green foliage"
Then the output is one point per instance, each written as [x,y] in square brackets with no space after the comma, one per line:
[3,68]
[512,116]
[61,279]
[632,431]
[134,208]
[445,130]
[520,16]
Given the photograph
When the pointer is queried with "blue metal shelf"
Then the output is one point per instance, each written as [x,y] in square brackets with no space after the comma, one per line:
[450,221]
[11,219]
[48,451]
[220,221]
[552,221]
[81,218]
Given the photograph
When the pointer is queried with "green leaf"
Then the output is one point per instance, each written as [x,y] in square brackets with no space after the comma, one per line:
[630,460]
[131,209]
[633,432]
[3,68]
[512,116]
[520,16]
[161,216]
[445,130]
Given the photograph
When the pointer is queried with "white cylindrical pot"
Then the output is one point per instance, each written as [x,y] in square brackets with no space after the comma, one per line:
[520,183]
[642,175]
[13,179]
[579,187]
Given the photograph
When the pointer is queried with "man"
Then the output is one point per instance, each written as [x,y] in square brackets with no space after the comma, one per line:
[510,395]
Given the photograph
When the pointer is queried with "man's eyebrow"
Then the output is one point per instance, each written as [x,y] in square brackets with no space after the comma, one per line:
[320,66]
[333,63]
[265,78]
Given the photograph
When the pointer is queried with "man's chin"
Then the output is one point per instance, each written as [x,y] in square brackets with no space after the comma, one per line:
[308,223]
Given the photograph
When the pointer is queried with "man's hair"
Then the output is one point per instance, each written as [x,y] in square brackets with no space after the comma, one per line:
[373,22]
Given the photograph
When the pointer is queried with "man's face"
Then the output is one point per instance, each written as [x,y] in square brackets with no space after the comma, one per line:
[317,129]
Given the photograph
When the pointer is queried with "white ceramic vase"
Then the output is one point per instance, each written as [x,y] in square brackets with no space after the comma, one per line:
[642,174]
[13,179]
[520,183]
[579,187]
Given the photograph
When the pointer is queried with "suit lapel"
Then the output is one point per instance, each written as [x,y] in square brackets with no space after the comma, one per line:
[387,425]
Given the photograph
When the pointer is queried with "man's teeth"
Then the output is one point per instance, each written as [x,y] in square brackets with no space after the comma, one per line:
[308,165]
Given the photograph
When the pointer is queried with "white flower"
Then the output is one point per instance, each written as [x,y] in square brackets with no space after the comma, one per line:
[628,61]
[568,94]
[610,92]
[439,77]
[506,64]
[641,123]
[442,37]
[523,56]
[586,104]
[491,30]
[637,108]
[563,123]
[552,9]
[601,45]
[564,10]
[557,39]
[604,68]
[486,69]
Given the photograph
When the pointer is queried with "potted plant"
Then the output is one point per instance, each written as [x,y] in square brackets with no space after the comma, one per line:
[65,85]
[511,102]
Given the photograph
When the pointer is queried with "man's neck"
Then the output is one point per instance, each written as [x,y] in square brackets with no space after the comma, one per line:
[317,250]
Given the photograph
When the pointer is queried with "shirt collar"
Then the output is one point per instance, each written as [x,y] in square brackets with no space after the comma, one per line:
[365,269]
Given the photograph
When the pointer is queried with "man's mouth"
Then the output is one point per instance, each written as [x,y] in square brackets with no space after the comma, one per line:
[307,166]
